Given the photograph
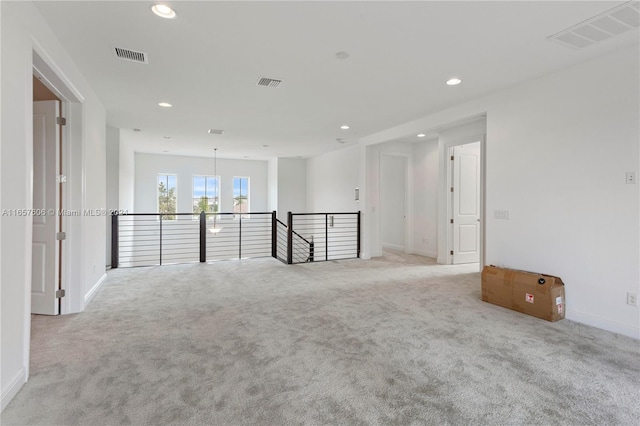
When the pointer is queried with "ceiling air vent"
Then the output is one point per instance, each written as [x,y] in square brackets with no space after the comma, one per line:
[268,82]
[601,27]
[216,131]
[131,55]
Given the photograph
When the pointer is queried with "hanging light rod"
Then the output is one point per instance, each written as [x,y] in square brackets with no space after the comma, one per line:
[215,229]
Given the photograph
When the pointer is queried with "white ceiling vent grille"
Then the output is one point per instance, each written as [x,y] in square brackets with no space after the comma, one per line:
[131,55]
[601,27]
[268,82]
[216,131]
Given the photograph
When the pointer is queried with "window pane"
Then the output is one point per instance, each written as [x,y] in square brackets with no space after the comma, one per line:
[171,181]
[167,195]
[198,186]
[205,194]
[240,194]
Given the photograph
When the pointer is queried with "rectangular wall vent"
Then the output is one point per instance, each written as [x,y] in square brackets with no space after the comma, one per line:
[131,55]
[601,27]
[216,131]
[268,82]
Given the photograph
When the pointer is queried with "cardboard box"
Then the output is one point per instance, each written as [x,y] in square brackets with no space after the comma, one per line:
[534,294]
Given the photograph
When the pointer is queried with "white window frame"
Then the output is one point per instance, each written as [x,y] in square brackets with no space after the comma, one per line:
[217,177]
[158,194]
[244,215]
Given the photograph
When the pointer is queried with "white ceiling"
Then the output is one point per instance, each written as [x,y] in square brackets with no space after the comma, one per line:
[206,62]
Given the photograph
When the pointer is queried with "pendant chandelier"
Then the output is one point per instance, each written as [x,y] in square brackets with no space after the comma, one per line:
[214,229]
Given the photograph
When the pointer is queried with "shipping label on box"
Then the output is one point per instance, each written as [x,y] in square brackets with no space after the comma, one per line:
[534,294]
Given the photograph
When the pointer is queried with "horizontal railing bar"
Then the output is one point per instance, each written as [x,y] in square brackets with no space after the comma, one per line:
[196,214]
[143,250]
[142,243]
[180,250]
[323,214]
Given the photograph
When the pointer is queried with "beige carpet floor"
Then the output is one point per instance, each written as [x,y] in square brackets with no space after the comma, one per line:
[391,341]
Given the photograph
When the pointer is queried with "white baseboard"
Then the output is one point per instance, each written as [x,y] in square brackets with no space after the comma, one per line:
[12,388]
[94,290]
[426,253]
[604,324]
[392,247]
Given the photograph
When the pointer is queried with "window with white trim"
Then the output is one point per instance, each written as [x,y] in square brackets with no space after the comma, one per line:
[206,194]
[167,195]
[240,194]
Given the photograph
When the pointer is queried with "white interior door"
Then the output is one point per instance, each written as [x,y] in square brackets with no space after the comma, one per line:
[466,203]
[44,273]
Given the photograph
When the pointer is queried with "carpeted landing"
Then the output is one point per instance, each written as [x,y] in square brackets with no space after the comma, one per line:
[396,340]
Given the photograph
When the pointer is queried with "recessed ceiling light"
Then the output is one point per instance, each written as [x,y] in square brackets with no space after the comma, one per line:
[163,11]
[344,127]
[265,146]
[165,104]
[421,135]
[167,137]
[165,150]
[342,55]
[454,81]
[137,130]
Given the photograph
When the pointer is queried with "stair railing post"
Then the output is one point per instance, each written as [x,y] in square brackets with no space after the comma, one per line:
[160,238]
[240,237]
[289,238]
[274,235]
[358,236]
[203,237]
[326,236]
[115,254]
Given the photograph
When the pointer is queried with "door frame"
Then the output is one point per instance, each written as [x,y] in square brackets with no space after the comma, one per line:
[72,166]
[447,165]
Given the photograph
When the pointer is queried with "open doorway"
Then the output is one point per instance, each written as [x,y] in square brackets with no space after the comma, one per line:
[46,242]
[462,220]
[393,204]
[54,97]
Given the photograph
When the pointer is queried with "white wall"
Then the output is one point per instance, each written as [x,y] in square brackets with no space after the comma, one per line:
[425,196]
[292,186]
[126,172]
[23,31]
[332,179]
[272,181]
[557,150]
[113,182]
[331,182]
[148,166]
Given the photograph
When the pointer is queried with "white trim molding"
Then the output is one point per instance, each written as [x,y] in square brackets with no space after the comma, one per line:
[94,290]
[604,324]
[13,387]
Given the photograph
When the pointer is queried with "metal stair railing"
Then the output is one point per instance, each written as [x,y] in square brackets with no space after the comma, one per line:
[147,239]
